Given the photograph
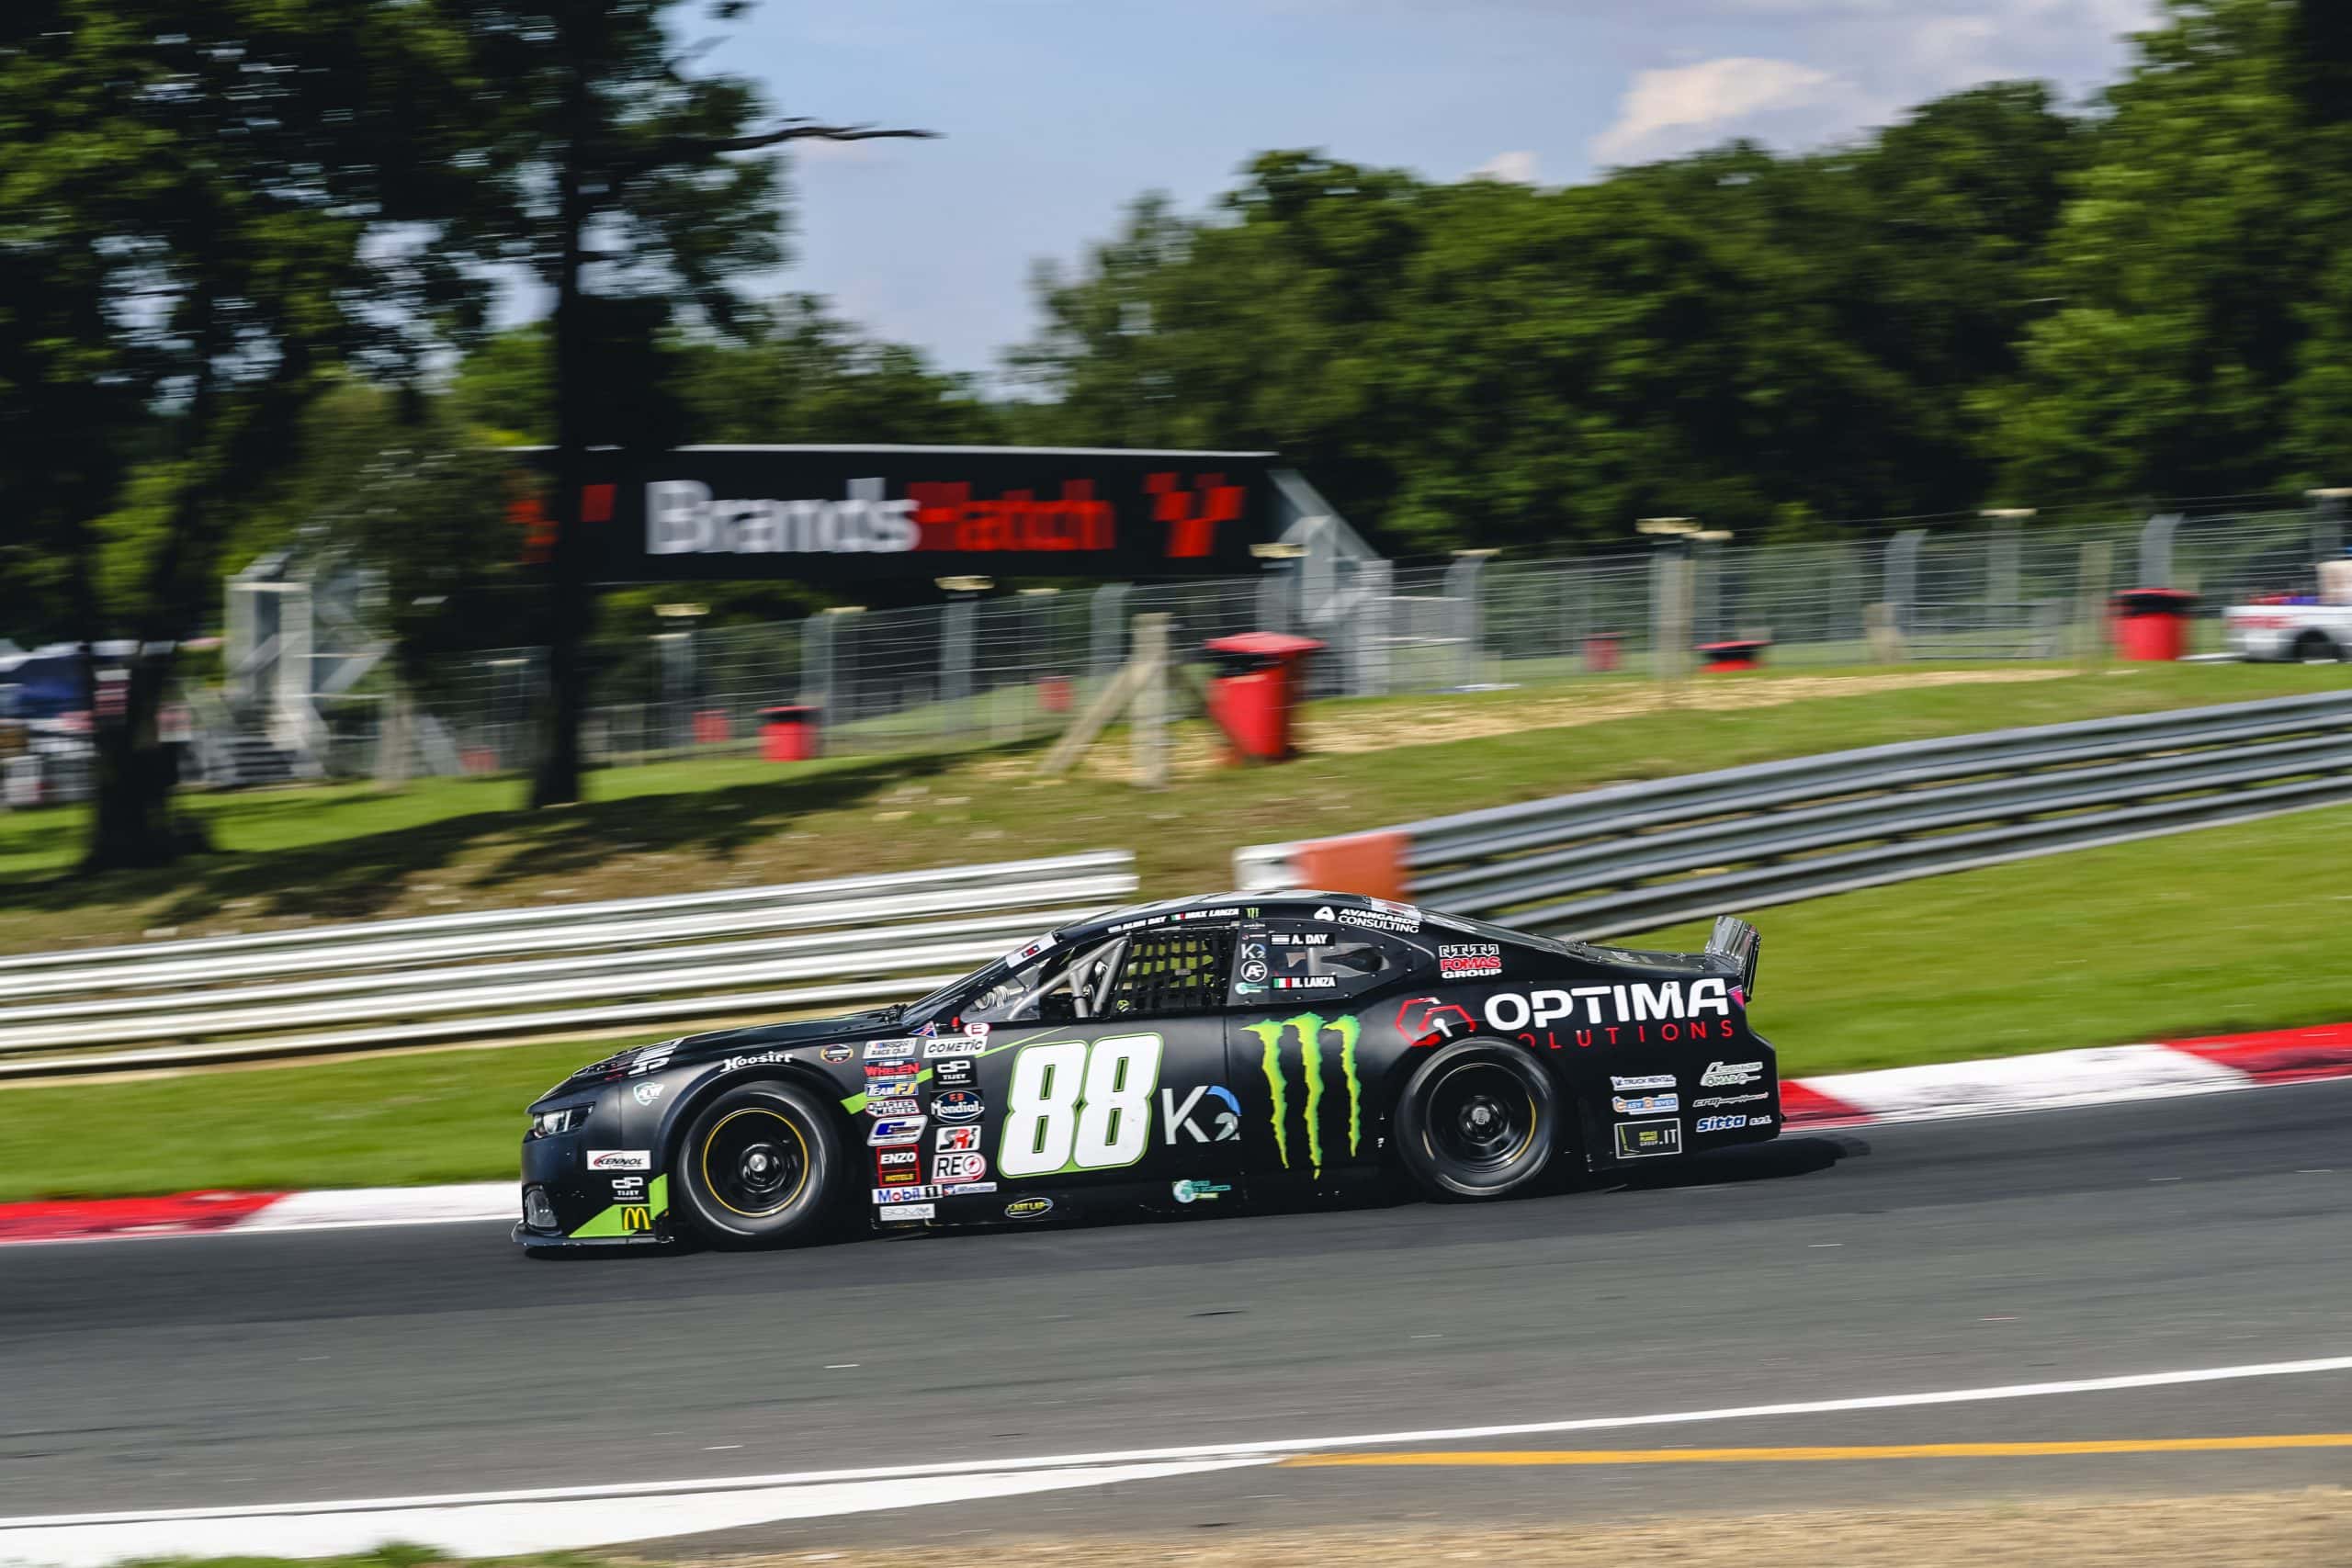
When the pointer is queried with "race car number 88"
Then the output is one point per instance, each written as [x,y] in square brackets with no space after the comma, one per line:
[1074,1106]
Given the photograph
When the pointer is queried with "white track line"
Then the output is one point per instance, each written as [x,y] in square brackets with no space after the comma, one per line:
[1214,1451]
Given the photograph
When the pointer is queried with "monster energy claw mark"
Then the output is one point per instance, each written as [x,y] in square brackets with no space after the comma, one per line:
[1310,1029]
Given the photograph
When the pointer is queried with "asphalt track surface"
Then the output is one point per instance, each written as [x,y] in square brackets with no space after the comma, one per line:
[2124,1239]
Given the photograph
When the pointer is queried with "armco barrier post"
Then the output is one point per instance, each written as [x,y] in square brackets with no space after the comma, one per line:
[1902,594]
[2155,550]
[955,663]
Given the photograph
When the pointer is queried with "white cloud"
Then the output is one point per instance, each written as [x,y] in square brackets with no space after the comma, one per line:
[1661,109]
[1511,168]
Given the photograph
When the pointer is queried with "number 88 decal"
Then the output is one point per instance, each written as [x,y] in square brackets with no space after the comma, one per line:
[1074,1106]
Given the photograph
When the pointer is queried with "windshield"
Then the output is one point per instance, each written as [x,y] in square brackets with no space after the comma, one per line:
[1060,983]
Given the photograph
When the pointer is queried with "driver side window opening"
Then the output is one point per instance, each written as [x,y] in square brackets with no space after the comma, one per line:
[1172,971]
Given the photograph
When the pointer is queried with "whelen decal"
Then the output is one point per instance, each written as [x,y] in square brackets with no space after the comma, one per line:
[1310,1029]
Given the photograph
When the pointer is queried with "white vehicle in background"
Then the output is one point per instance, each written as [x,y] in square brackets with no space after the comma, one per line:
[2302,627]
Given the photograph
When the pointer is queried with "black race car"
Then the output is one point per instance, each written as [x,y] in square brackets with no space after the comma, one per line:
[1200,1051]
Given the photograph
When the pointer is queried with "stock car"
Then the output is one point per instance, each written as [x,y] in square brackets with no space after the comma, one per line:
[1185,1057]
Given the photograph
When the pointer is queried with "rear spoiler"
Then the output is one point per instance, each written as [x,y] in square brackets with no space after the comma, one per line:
[1735,943]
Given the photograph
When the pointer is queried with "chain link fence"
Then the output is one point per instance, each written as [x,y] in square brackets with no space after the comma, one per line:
[1005,670]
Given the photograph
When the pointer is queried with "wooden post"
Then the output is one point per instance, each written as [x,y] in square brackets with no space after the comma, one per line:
[2090,607]
[1147,719]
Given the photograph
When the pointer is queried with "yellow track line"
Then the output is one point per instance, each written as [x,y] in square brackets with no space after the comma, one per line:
[1817,1455]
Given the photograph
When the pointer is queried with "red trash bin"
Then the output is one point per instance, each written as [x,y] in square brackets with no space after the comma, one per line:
[1600,653]
[2152,623]
[789,733]
[1053,694]
[1256,687]
[711,728]
[1729,657]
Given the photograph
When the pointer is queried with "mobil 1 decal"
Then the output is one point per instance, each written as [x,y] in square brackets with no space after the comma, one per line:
[1078,1105]
[1316,1097]
[1623,1012]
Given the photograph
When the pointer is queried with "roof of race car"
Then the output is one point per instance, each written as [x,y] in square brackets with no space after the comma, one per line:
[1286,904]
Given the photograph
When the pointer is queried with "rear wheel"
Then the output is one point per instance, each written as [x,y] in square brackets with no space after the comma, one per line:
[1479,1120]
[2316,648]
[760,1166]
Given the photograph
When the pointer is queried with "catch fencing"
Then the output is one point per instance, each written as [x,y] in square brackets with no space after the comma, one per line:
[1637,856]
[982,672]
[827,946]
[1005,670]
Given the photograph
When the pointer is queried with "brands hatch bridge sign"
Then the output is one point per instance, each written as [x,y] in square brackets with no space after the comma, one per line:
[866,514]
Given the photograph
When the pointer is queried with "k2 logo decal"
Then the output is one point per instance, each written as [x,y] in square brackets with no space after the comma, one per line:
[1309,1029]
[1226,1117]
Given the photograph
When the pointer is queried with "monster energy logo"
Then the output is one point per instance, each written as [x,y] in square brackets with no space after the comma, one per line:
[1310,1029]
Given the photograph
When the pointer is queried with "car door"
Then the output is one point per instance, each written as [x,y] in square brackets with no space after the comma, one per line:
[1297,1019]
[1128,1090]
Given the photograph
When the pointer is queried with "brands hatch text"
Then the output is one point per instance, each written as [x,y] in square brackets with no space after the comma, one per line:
[1182,1056]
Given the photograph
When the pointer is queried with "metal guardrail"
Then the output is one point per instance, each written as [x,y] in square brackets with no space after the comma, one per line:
[1633,857]
[496,974]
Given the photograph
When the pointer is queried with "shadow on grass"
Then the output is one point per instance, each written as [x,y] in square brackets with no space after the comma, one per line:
[355,877]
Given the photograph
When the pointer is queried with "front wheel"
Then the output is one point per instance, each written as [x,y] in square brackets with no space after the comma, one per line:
[760,1166]
[1479,1120]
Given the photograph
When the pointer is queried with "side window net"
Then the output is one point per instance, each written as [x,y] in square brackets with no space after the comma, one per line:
[1172,971]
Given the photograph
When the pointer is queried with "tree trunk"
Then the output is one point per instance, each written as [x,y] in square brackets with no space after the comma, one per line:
[555,781]
[134,824]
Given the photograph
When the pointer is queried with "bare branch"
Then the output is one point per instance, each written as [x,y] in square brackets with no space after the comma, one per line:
[801,130]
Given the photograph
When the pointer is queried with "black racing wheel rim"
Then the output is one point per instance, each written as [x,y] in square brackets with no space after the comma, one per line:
[755,1161]
[1481,1118]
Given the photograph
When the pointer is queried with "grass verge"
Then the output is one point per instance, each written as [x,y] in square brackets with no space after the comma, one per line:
[2260,1530]
[2205,932]
[347,851]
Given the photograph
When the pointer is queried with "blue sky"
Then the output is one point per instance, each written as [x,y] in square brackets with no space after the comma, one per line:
[1057,113]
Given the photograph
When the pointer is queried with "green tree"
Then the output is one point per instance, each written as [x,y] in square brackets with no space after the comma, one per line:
[637,194]
[207,202]
[2183,274]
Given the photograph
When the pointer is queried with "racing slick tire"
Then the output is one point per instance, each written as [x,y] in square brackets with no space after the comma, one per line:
[2315,646]
[1480,1119]
[760,1166]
